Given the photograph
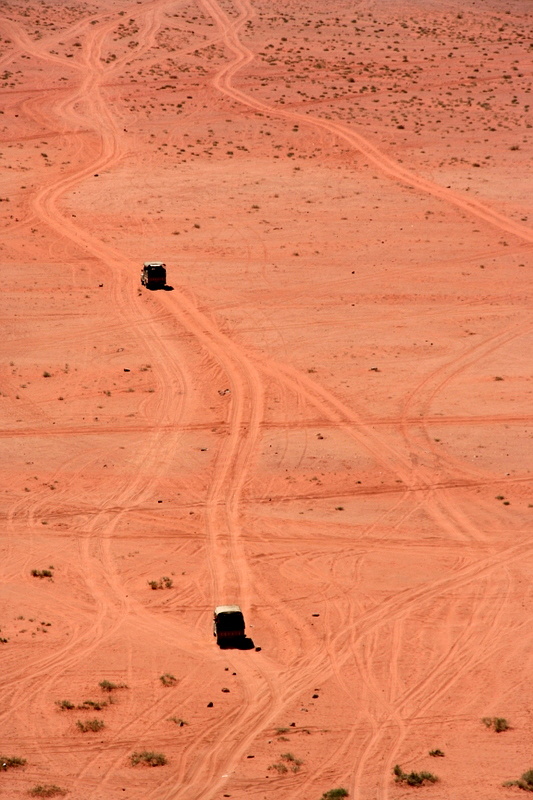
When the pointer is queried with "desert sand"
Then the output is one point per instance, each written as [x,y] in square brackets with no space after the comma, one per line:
[327,420]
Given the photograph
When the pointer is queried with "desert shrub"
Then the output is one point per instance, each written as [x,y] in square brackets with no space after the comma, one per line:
[149,758]
[279,767]
[46,790]
[436,753]
[42,573]
[162,583]
[179,722]
[167,679]
[525,782]
[93,725]
[499,724]
[334,794]
[65,705]
[93,705]
[109,686]
[413,778]
[11,763]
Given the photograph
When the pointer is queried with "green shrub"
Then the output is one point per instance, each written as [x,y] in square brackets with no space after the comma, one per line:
[108,686]
[334,794]
[525,782]
[436,753]
[42,573]
[167,679]
[46,790]
[149,758]
[93,705]
[413,778]
[93,725]
[11,763]
[65,705]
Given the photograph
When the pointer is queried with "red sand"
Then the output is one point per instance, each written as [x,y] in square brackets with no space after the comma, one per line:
[327,421]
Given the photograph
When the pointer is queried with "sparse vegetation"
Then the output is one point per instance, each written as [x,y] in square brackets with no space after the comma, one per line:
[149,758]
[167,679]
[46,790]
[93,725]
[334,794]
[162,583]
[498,724]
[94,705]
[289,759]
[109,686]
[42,573]
[436,753]
[65,705]
[11,763]
[525,782]
[179,722]
[413,778]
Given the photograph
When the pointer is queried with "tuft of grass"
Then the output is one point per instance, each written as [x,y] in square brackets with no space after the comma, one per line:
[11,763]
[109,686]
[334,794]
[167,679]
[436,753]
[413,778]
[65,705]
[47,790]
[149,758]
[287,759]
[93,725]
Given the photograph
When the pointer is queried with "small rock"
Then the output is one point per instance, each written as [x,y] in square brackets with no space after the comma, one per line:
[210,705]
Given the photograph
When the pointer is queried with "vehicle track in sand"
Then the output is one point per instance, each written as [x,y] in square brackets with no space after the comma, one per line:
[462,653]
[269,687]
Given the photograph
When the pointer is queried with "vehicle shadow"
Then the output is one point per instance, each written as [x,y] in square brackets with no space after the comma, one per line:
[168,288]
[238,644]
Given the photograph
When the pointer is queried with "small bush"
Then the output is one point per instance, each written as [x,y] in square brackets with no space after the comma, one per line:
[93,725]
[162,583]
[498,724]
[334,794]
[149,758]
[279,767]
[179,722]
[109,686]
[93,705]
[436,753]
[11,763]
[525,782]
[167,679]
[46,790]
[65,705]
[413,778]
[42,573]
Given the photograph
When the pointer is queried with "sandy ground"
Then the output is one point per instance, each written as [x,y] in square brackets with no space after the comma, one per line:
[328,420]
